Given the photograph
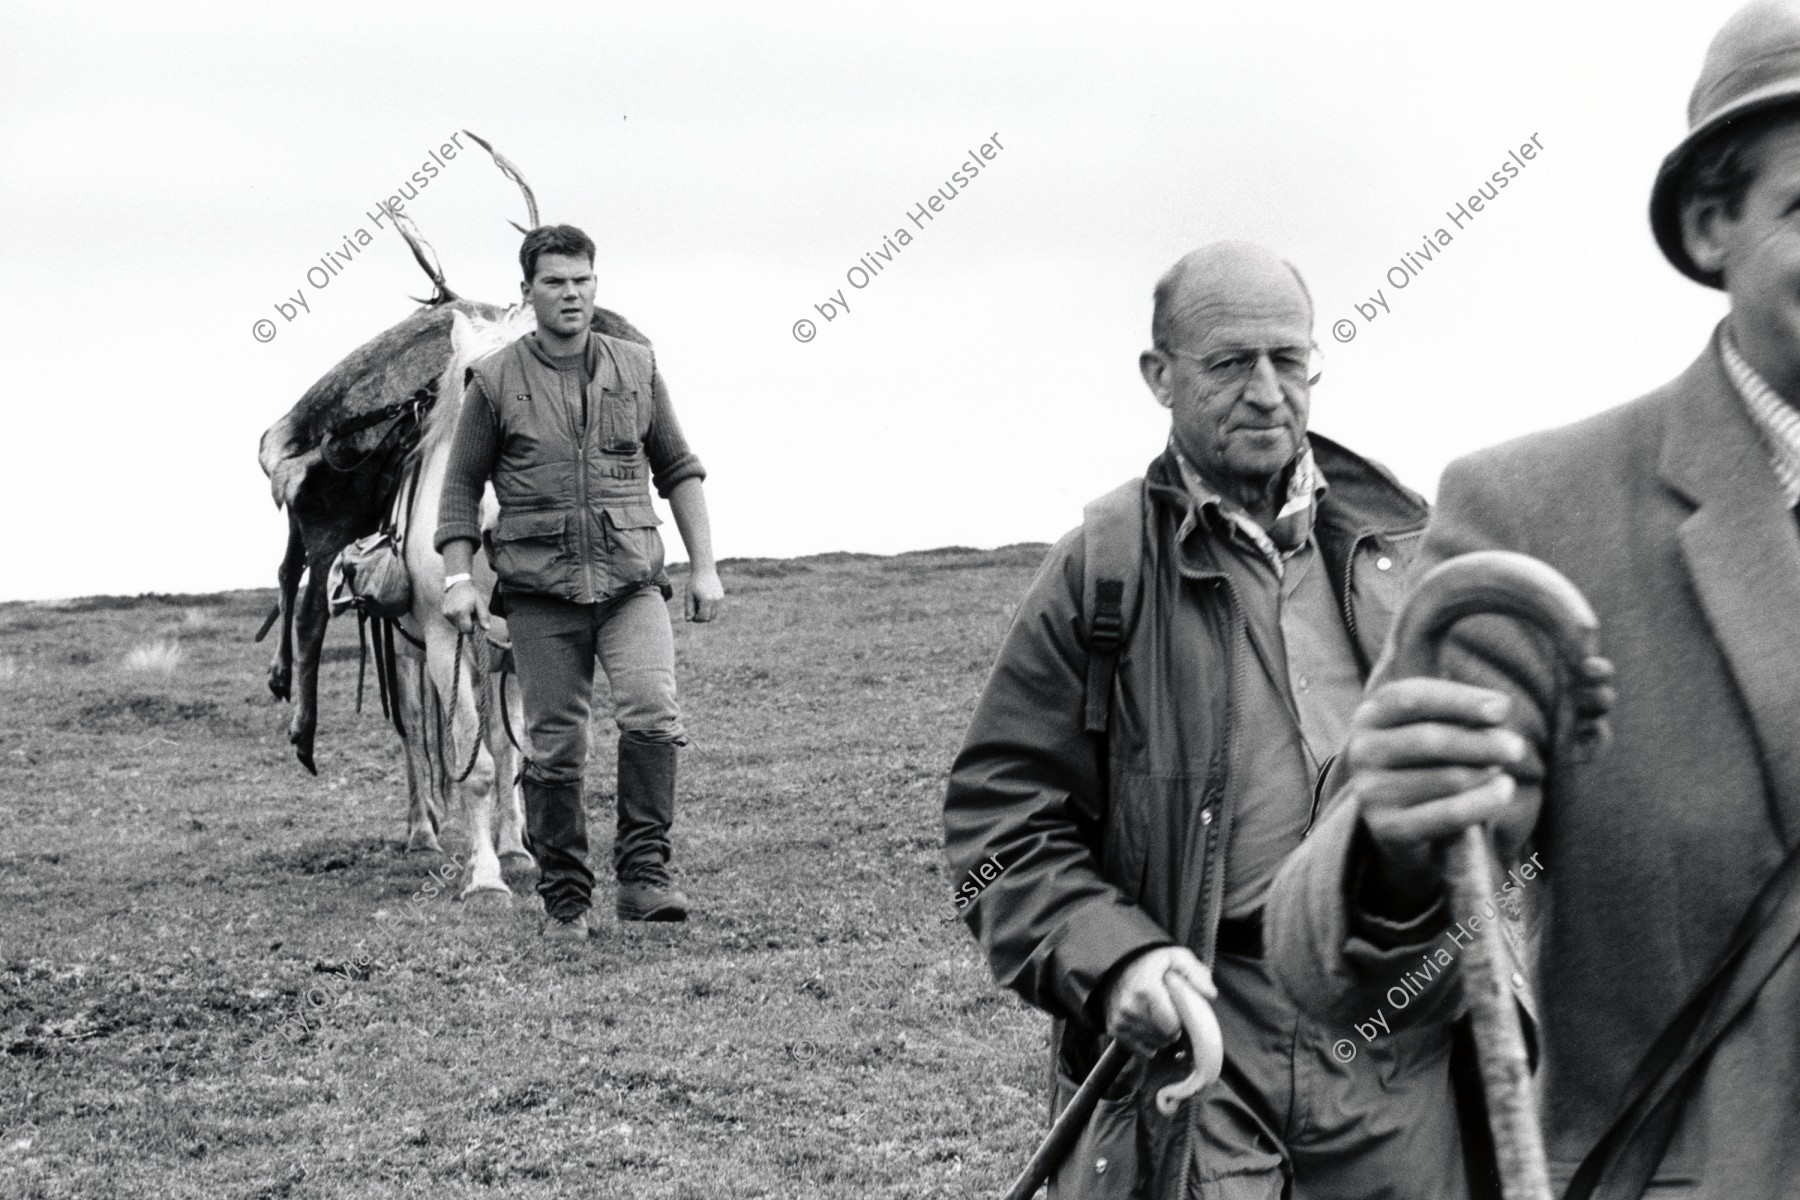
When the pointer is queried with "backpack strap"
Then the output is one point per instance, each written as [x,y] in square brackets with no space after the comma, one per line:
[1112,536]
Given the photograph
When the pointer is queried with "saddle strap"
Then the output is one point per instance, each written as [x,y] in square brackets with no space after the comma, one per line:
[399,518]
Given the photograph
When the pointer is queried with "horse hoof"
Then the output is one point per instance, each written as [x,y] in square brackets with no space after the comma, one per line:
[489,895]
[517,860]
[423,840]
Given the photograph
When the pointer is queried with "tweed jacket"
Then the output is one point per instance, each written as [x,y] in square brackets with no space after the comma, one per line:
[1667,514]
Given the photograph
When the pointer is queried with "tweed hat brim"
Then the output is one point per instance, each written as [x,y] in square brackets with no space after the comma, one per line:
[1752,68]
[1671,178]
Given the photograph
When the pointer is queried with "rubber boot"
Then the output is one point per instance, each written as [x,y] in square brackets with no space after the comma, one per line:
[641,850]
[556,835]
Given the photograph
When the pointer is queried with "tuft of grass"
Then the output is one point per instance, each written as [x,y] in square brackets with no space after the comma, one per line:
[196,620]
[11,671]
[155,658]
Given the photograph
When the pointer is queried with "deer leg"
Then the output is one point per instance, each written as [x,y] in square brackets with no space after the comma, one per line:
[293,562]
[441,779]
[510,836]
[310,618]
[424,815]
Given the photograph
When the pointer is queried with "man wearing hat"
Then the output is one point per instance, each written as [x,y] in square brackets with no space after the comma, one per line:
[1670,1004]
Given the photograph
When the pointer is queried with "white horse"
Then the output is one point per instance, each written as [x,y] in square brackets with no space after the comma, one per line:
[493,806]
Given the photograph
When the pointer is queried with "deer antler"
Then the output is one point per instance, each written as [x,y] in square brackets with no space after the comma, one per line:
[512,173]
[427,260]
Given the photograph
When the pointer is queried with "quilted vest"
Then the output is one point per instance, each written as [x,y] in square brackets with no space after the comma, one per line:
[574,489]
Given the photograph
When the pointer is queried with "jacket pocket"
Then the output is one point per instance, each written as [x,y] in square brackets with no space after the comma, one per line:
[634,550]
[530,550]
[622,427]
[1103,1164]
[632,516]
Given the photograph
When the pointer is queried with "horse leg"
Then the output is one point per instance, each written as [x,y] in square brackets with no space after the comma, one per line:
[310,618]
[455,686]
[293,562]
[424,815]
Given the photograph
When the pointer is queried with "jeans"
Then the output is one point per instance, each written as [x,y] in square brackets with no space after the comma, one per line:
[555,646]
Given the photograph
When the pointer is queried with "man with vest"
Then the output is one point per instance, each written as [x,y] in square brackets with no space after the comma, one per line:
[573,427]
[1137,769]
[1669,899]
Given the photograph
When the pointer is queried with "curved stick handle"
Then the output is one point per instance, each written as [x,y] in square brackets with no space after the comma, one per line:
[1207,1047]
[1507,584]
[1205,1042]
[1516,585]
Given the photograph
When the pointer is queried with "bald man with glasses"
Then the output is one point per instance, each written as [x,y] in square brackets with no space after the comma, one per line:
[1137,821]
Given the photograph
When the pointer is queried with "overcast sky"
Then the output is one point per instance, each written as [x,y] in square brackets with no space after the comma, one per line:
[169,172]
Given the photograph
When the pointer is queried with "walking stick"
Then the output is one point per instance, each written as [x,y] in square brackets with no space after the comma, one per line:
[1206,1046]
[1515,585]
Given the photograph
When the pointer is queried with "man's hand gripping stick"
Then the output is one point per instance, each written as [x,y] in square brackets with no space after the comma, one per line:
[1514,585]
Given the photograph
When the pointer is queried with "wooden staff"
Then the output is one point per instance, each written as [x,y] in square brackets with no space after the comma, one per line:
[1515,585]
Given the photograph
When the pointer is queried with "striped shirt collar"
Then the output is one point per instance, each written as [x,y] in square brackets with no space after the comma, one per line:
[1776,419]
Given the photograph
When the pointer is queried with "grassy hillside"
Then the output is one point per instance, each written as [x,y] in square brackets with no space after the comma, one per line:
[210,985]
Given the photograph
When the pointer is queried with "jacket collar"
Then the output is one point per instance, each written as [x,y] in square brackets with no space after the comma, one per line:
[1741,553]
[1362,499]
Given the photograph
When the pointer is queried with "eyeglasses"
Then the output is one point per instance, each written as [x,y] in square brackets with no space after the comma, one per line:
[1234,365]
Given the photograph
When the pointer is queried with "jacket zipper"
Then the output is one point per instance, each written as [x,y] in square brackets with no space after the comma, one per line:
[580,424]
[1344,599]
[1218,844]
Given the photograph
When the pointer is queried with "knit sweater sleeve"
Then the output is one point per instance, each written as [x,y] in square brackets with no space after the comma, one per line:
[671,461]
[474,446]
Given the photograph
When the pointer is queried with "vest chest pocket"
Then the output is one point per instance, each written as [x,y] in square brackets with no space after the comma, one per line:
[620,436]
[530,551]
